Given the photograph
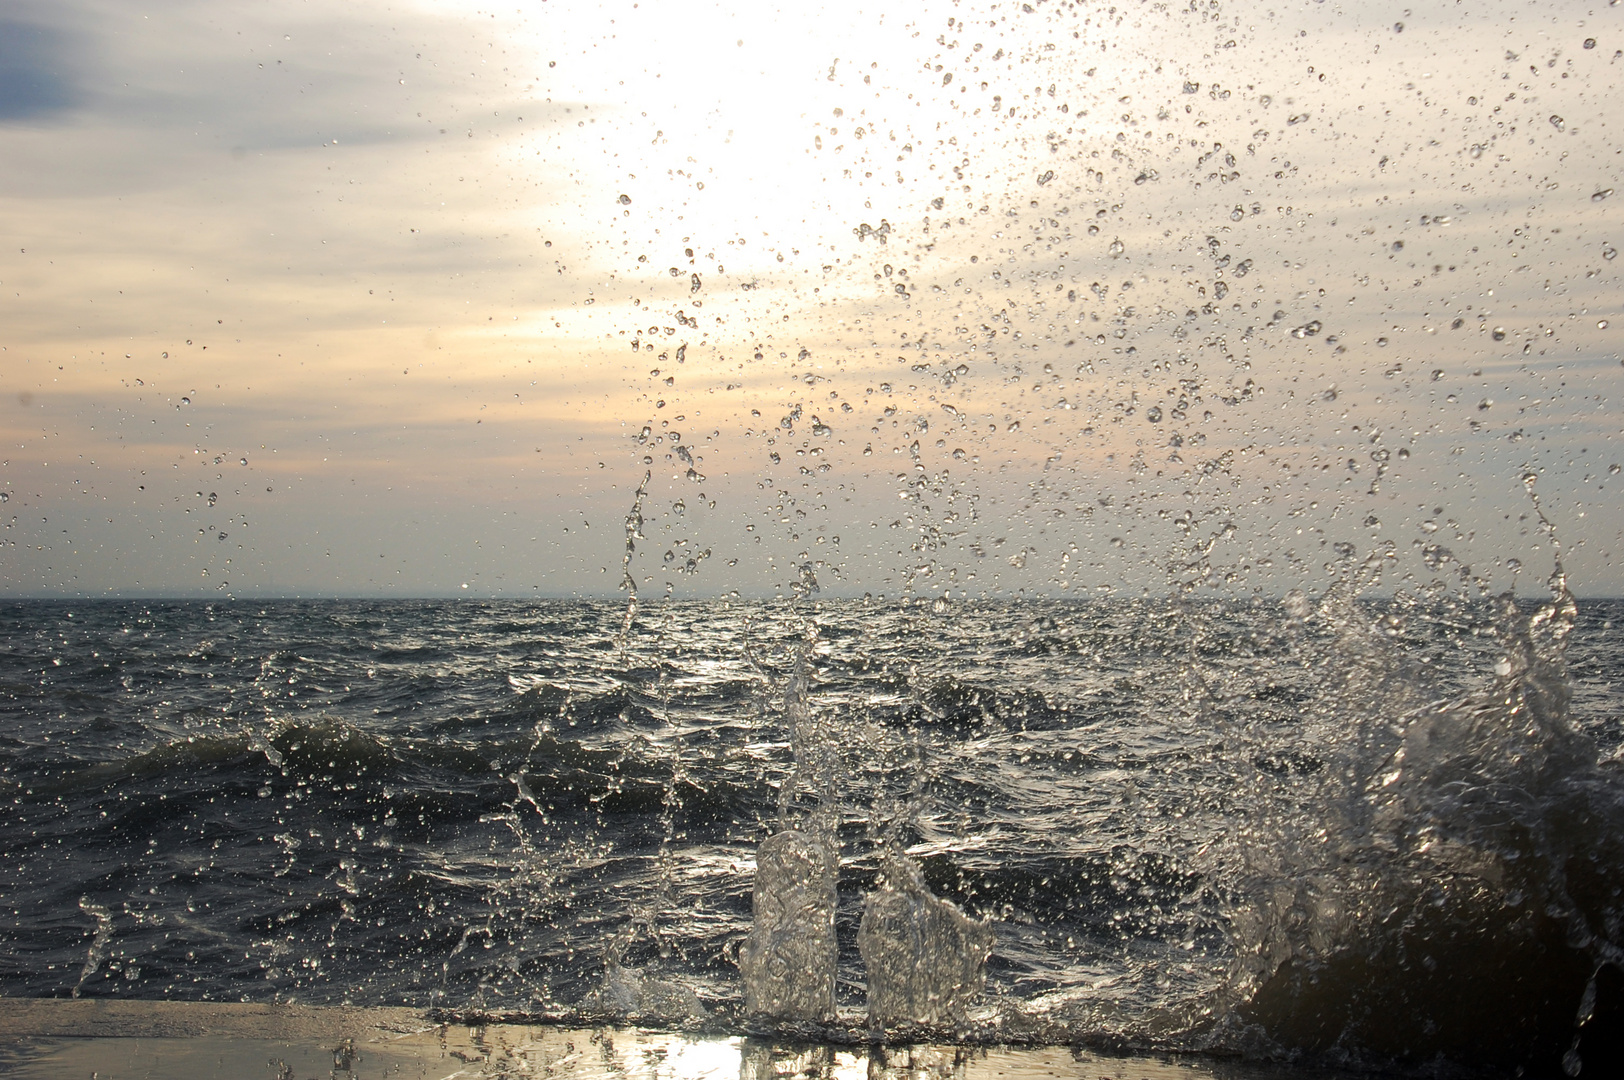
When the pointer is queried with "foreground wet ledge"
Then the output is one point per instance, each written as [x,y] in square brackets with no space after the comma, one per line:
[53,1039]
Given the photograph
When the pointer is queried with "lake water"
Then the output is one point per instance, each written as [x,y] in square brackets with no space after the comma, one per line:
[1335,830]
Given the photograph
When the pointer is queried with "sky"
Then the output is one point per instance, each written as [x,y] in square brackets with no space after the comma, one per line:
[940,299]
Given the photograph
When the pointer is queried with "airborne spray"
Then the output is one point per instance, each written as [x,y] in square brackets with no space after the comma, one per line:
[628,581]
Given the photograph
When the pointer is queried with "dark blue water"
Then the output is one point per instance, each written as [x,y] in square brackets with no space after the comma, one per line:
[1225,827]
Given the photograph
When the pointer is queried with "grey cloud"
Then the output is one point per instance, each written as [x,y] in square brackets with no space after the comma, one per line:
[35,77]
[135,97]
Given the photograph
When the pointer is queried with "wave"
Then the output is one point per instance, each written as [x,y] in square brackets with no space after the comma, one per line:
[1452,886]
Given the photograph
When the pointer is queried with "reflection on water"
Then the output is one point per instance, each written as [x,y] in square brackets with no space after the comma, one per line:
[54,1040]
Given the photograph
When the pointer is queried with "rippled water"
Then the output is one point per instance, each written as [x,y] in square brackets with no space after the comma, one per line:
[1354,830]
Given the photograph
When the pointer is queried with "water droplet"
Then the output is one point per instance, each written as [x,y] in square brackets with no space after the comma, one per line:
[1602,194]
[1558,123]
[1154,414]
[1613,469]
[1237,213]
[1116,249]
[1398,28]
[1477,150]
[1437,373]
[625,200]
[244,461]
[1499,333]
[1590,43]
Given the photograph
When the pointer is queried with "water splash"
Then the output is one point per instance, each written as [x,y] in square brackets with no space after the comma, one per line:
[98,944]
[629,993]
[813,744]
[1429,873]
[925,959]
[788,961]
[628,581]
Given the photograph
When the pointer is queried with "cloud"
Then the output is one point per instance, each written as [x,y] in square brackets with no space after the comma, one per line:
[35,78]
[392,242]
[122,99]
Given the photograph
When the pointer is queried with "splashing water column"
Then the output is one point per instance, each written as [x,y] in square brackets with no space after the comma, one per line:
[926,960]
[788,961]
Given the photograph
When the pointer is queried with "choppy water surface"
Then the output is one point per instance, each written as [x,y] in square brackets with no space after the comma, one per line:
[1349,830]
